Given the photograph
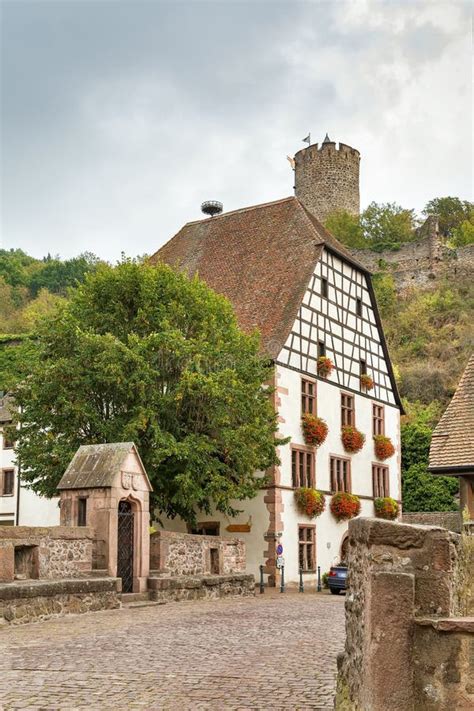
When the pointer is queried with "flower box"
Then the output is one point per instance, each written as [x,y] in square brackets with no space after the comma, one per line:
[386,507]
[383,447]
[315,430]
[344,506]
[352,439]
[310,501]
[366,381]
[325,366]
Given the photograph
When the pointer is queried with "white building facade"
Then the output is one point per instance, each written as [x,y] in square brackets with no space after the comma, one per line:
[287,276]
[19,506]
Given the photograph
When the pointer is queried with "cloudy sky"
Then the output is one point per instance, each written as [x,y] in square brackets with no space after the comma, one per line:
[120,118]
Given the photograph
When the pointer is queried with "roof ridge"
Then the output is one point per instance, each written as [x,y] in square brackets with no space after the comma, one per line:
[241,209]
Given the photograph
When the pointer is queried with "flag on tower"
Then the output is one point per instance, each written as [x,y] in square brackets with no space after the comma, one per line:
[307,139]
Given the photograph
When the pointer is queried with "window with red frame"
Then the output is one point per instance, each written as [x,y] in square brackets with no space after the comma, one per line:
[380,480]
[340,474]
[378,420]
[347,410]
[307,548]
[302,468]
[308,397]
[7,482]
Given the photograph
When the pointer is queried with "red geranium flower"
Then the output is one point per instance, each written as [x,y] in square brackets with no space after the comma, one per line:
[315,430]
[352,439]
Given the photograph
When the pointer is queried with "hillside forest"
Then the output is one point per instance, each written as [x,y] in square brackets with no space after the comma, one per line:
[428,330]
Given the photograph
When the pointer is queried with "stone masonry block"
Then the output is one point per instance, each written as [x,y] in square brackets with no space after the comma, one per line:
[7,562]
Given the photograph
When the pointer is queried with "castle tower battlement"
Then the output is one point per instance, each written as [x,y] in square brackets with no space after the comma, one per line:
[327,178]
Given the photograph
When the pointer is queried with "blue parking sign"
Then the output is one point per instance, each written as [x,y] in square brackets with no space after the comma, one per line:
[279,549]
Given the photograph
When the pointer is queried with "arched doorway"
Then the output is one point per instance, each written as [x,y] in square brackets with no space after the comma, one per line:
[125,545]
[344,548]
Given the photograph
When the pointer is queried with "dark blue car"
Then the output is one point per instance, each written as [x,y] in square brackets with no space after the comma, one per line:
[337,578]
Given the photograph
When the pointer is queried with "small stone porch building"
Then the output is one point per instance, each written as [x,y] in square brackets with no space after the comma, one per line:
[107,488]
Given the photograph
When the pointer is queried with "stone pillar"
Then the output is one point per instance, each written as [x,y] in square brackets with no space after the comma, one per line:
[396,573]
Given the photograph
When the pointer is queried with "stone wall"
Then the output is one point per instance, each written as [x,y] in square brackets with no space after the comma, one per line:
[422,262]
[201,587]
[31,601]
[188,554]
[401,577]
[452,520]
[45,553]
[327,179]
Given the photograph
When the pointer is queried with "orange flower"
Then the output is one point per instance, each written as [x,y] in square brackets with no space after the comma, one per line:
[344,505]
[385,507]
[352,439]
[310,501]
[325,366]
[383,447]
[315,430]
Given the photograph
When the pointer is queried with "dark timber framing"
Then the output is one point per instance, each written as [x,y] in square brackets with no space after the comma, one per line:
[335,321]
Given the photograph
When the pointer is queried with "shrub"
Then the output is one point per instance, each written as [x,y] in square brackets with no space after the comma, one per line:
[386,507]
[366,381]
[383,447]
[324,580]
[315,430]
[352,439]
[344,506]
[325,366]
[310,501]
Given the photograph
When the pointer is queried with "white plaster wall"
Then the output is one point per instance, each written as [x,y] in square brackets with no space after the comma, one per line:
[329,533]
[37,510]
[255,544]
[34,510]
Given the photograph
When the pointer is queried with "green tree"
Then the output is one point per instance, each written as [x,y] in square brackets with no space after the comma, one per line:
[451,212]
[464,233]
[347,228]
[145,354]
[424,492]
[387,225]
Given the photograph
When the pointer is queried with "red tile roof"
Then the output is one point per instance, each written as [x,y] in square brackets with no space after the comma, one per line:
[452,444]
[261,258]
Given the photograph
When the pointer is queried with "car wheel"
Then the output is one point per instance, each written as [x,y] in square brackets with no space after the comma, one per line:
[334,592]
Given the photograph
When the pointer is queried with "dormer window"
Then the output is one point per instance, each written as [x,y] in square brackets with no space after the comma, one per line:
[324,288]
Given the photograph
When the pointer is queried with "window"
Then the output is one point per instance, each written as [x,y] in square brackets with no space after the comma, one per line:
[308,397]
[82,512]
[340,474]
[7,482]
[359,306]
[347,410]
[302,468]
[321,349]
[363,367]
[207,528]
[380,480]
[324,288]
[307,548]
[378,420]
[8,440]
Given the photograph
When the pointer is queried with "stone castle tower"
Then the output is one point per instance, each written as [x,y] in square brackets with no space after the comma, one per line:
[327,178]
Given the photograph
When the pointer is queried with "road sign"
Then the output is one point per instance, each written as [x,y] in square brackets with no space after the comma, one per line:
[280,561]
[279,549]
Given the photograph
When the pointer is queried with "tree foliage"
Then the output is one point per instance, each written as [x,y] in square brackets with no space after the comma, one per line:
[422,491]
[451,213]
[145,354]
[379,227]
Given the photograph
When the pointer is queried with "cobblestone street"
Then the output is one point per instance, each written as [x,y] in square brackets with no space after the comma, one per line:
[268,652]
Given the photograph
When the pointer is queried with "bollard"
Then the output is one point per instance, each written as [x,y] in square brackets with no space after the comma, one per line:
[319,579]
[282,581]
[301,587]
[262,587]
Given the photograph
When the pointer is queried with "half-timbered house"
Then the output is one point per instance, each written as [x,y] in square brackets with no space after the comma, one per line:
[286,275]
